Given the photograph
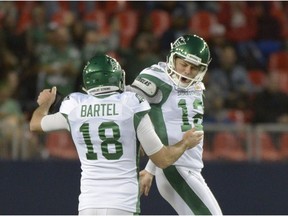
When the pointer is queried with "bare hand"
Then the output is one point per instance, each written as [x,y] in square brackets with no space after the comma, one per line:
[47,96]
[193,138]
[146,179]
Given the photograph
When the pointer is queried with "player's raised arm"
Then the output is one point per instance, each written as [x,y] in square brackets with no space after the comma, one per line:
[45,100]
[41,120]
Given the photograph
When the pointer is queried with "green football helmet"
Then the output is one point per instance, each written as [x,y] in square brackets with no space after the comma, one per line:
[103,74]
[192,49]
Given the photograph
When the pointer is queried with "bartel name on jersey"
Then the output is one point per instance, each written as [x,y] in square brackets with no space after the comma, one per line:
[93,110]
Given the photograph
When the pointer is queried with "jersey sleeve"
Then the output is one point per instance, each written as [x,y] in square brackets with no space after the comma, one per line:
[54,122]
[142,104]
[148,137]
[146,87]
[137,104]
[69,103]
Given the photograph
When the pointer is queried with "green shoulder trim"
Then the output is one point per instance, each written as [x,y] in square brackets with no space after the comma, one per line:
[161,85]
[66,117]
[137,118]
[156,113]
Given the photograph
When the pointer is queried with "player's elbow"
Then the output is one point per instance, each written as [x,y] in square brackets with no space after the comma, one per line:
[161,162]
[32,127]
[163,158]
[164,165]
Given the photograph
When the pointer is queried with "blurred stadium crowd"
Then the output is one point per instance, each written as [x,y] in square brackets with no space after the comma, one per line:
[46,43]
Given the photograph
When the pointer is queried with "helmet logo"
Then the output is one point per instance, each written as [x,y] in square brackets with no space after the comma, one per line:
[180,41]
[115,66]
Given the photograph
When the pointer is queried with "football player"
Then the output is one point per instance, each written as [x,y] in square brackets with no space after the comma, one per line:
[174,90]
[105,123]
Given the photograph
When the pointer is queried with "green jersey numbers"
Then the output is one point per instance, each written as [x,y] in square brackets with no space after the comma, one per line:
[106,141]
[84,129]
[185,121]
[197,119]
[110,140]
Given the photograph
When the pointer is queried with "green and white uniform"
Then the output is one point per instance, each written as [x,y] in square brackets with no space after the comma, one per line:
[104,131]
[173,112]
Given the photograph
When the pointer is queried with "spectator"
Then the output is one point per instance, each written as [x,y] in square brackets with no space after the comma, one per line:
[231,80]
[268,26]
[37,30]
[12,37]
[94,42]
[142,54]
[216,112]
[269,31]
[59,62]
[238,19]
[14,135]
[270,105]
[178,27]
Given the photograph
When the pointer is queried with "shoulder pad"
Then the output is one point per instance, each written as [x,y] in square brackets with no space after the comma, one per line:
[145,85]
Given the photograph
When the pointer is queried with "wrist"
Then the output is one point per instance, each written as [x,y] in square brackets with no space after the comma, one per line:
[44,108]
[185,144]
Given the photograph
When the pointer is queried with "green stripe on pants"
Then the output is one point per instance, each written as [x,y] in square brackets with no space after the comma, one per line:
[187,194]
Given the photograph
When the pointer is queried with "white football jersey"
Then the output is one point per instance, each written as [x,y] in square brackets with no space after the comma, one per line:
[103,130]
[180,110]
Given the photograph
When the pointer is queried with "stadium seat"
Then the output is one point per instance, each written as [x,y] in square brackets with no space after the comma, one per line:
[24,20]
[283,145]
[257,76]
[128,25]
[278,12]
[282,80]
[161,21]
[236,115]
[267,47]
[278,61]
[268,150]
[96,18]
[229,11]
[201,23]
[59,145]
[207,152]
[226,146]
[63,17]
[113,7]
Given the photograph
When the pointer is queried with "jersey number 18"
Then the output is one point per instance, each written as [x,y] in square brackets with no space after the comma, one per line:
[91,155]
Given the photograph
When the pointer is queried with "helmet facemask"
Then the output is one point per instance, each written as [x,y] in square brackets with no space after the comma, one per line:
[177,77]
[186,48]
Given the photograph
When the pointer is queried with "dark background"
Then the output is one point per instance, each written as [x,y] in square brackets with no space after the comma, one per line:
[52,187]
